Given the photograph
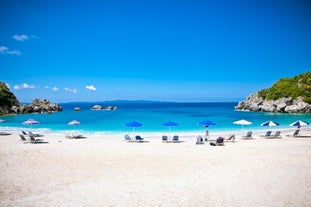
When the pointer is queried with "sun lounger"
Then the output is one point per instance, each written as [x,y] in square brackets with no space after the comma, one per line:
[231,138]
[24,133]
[4,133]
[23,138]
[220,141]
[249,135]
[199,140]
[268,134]
[276,135]
[175,138]
[127,138]
[35,135]
[36,141]
[296,133]
[164,138]
[139,138]
[74,136]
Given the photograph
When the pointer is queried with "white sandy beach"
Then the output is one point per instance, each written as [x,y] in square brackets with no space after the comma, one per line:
[107,171]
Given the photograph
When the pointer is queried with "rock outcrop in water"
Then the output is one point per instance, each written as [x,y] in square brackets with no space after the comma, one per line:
[37,106]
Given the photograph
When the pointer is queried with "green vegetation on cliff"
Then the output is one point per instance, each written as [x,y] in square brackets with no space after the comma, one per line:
[7,98]
[298,86]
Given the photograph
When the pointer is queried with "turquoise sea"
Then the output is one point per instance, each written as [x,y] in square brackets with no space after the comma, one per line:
[151,115]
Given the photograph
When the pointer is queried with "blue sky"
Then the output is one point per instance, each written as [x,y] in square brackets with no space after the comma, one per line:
[152,50]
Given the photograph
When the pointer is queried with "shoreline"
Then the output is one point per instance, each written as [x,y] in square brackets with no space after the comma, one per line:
[108,171]
[158,134]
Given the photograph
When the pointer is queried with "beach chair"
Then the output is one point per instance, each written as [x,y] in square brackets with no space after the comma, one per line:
[231,138]
[249,135]
[268,134]
[35,135]
[220,141]
[139,138]
[164,138]
[33,140]
[23,138]
[199,140]
[276,135]
[175,138]
[4,133]
[127,138]
[74,136]
[24,133]
[296,133]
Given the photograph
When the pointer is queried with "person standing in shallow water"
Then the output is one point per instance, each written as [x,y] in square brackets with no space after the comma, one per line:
[206,134]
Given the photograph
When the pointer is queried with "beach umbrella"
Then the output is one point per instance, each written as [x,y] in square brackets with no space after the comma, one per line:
[30,122]
[243,122]
[133,124]
[207,123]
[74,123]
[299,123]
[169,124]
[269,123]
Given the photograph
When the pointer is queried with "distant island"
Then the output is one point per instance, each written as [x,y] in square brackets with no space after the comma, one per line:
[10,105]
[287,95]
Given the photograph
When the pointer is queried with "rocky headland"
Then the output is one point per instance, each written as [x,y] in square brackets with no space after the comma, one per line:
[287,95]
[10,105]
[283,105]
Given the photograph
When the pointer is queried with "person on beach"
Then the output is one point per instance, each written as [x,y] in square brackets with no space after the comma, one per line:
[206,134]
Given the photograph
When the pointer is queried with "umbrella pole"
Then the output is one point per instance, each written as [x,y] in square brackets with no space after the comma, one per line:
[169,133]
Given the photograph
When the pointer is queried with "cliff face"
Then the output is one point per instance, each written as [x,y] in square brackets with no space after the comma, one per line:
[283,105]
[10,105]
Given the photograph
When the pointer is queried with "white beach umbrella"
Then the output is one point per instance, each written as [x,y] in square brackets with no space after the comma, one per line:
[243,122]
[74,123]
[30,122]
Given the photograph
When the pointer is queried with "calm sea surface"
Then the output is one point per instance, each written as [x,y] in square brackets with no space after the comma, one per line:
[151,115]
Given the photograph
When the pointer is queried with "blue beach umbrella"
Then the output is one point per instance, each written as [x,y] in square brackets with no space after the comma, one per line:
[207,123]
[270,123]
[170,124]
[133,124]
[299,123]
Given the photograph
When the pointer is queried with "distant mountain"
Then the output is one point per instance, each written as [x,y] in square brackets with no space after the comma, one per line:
[287,95]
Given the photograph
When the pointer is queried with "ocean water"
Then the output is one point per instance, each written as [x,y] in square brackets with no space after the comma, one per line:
[151,115]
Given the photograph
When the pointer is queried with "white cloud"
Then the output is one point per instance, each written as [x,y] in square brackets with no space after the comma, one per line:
[54,89]
[14,52]
[21,38]
[24,86]
[91,88]
[3,49]
[71,90]
[6,50]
